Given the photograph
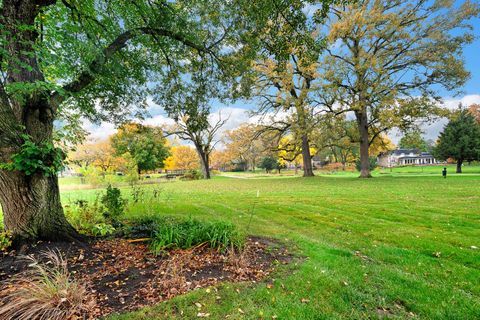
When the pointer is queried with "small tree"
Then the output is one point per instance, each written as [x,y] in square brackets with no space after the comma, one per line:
[268,163]
[194,125]
[460,140]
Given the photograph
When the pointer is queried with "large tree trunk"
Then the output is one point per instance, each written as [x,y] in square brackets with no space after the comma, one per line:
[459,165]
[362,122]
[204,161]
[30,203]
[307,158]
[32,209]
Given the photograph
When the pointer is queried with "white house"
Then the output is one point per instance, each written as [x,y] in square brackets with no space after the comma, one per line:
[403,157]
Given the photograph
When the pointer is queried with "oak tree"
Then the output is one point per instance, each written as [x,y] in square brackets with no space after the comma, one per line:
[90,58]
[386,59]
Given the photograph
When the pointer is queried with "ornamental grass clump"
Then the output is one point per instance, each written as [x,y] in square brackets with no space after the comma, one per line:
[177,234]
[45,291]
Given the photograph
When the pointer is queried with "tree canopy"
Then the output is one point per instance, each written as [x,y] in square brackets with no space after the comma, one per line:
[414,140]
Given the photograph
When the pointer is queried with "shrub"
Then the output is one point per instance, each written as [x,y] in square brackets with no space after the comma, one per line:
[190,233]
[114,204]
[92,175]
[268,163]
[143,227]
[137,193]
[335,166]
[47,291]
[372,164]
[102,229]
[86,217]
[192,175]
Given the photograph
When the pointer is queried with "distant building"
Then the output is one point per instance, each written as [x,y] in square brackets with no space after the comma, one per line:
[405,157]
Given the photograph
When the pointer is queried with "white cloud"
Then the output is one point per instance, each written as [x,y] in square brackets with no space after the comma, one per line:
[237,116]
[466,101]
[99,132]
[432,130]
[159,120]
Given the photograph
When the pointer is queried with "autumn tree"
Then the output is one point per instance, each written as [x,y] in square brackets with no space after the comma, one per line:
[460,139]
[286,73]
[202,131]
[243,144]
[381,144]
[100,154]
[183,157]
[474,110]
[289,151]
[221,159]
[386,59]
[83,155]
[285,88]
[337,137]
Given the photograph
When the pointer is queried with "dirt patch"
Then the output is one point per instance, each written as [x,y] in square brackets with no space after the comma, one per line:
[125,276]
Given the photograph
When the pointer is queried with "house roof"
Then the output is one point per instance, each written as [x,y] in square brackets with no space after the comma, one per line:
[405,153]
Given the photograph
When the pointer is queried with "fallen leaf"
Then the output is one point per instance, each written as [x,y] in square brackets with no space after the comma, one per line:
[203,315]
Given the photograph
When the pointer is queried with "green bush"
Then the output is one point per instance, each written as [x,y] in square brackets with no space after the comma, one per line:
[189,233]
[102,229]
[143,227]
[114,204]
[372,164]
[84,215]
[87,218]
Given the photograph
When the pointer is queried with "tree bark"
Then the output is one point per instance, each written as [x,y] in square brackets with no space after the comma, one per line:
[204,161]
[32,209]
[362,122]
[459,165]
[307,157]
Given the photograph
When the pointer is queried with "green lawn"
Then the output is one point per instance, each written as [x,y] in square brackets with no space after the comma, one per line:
[399,245]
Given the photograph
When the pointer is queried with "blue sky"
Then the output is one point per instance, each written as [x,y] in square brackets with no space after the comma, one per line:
[472,61]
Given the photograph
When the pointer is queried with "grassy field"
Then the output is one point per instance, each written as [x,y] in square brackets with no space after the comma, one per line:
[404,245]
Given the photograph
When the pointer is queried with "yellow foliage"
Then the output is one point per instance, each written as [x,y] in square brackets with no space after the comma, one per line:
[381,144]
[182,158]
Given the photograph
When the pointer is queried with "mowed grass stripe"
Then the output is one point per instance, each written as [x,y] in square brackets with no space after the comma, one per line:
[397,224]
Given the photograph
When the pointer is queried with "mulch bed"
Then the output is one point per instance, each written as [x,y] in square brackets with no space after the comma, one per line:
[126,276]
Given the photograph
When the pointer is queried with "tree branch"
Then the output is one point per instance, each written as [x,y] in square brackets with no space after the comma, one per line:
[88,76]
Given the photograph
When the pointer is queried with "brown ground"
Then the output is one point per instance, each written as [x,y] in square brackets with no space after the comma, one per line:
[125,276]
